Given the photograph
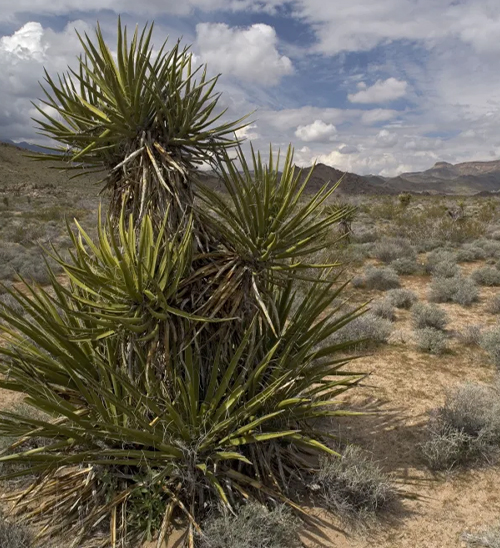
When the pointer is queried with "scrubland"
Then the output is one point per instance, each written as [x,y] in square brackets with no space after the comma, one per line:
[420,466]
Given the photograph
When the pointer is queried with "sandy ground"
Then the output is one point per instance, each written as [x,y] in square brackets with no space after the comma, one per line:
[405,385]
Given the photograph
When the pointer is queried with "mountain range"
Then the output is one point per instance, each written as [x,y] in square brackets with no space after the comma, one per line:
[466,178]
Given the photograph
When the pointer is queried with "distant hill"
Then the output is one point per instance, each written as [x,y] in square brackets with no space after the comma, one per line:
[351,183]
[26,146]
[466,178]
[445,178]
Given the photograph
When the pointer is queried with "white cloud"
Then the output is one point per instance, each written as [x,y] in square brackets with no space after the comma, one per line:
[23,56]
[376,115]
[248,53]
[382,91]
[386,139]
[246,133]
[318,131]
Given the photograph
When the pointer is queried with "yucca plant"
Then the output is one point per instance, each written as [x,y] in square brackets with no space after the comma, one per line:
[145,120]
[172,374]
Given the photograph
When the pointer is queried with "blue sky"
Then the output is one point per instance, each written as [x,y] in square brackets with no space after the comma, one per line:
[371,87]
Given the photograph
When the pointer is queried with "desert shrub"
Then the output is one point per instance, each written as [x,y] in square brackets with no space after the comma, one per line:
[14,536]
[487,275]
[428,315]
[490,341]
[365,235]
[383,309]
[364,331]
[494,305]
[431,340]
[405,266]
[402,298]
[458,290]
[495,235]
[380,278]
[390,249]
[253,526]
[466,428]
[491,248]
[446,269]
[354,486]
[404,199]
[437,257]
[469,253]
[487,538]
[471,335]
[424,245]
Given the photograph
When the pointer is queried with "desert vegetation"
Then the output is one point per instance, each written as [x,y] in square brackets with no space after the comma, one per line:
[186,365]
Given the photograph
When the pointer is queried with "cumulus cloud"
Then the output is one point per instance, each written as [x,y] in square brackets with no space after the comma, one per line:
[382,91]
[318,131]
[23,54]
[250,53]
[246,133]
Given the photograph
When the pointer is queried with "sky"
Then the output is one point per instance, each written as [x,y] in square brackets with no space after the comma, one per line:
[373,87]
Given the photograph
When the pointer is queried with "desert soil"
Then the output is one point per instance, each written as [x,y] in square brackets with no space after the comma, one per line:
[404,386]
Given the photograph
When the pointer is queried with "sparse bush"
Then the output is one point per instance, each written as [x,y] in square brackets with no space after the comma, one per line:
[380,278]
[365,236]
[488,538]
[494,305]
[364,331]
[446,269]
[490,247]
[383,309]
[431,340]
[465,429]
[458,290]
[470,253]
[354,486]
[437,257]
[14,536]
[253,526]
[428,315]
[390,249]
[490,341]
[402,298]
[471,335]
[404,199]
[487,275]
[405,266]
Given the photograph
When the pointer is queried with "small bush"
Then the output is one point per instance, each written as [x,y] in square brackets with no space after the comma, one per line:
[470,253]
[465,429]
[354,486]
[471,335]
[488,538]
[363,331]
[490,341]
[487,275]
[383,309]
[380,278]
[390,249]
[405,266]
[494,305]
[491,248]
[254,526]
[431,340]
[446,269]
[458,290]
[438,256]
[365,236]
[428,315]
[14,536]
[402,298]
